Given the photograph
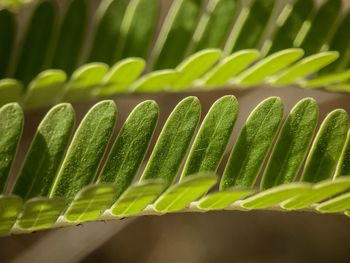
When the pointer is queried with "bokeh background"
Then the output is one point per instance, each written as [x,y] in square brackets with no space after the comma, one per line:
[226,236]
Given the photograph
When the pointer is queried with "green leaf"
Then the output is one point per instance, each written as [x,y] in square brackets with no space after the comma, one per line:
[319,192]
[156,81]
[137,197]
[71,35]
[130,147]
[321,26]
[10,91]
[176,33]
[335,205]
[340,42]
[85,153]
[255,25]
[109,20]
[7,36]
[221,200]
[305,67]
[343,167]
[269,66]
[292,144]
[46,89]
[45,153]
[328,79]
[182,194]
[215,24]
[343,87]
[173,142]
[287,32]
[229,67]
[252,145]
[212,138]
[35,43]
[40,213]
[10,207]
[90,203]
[138,28]
[11,126]
[85,82]
[326,148]
[121,76]
[275,195]
[194,67]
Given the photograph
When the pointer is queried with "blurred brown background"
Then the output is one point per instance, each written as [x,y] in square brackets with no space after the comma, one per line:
[227,236]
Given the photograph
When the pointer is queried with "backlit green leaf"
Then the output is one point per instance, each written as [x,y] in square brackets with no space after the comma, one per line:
[319,192]
[221,200]
[10,91]
[90,203]
[305,67]
[326,80]
[194,67]
[10,207]
[46,89]
[137,197]
[40,213]
[269,66]
[275,195]
[156,81]
[335,205]
[229,67]
[189,189]
[121,75]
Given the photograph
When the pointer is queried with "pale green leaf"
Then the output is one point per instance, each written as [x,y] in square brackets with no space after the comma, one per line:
[268,66]
[305,67]
[121,75]
[194,67]
[229,67]
[328,79]
[46,89]
[85,82]
[338,204]
[156,81]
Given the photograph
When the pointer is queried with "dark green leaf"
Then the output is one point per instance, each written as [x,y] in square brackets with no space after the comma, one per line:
[10,207]
[252,145]
[85,153]
[11,126]
[7,36]
[45,153]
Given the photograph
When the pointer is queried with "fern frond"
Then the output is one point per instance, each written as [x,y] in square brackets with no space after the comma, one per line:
[60,183]
[200,45]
